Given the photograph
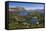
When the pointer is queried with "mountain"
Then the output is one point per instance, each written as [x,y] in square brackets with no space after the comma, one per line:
[37,10]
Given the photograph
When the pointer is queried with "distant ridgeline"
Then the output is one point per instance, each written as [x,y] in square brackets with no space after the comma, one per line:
[20,11]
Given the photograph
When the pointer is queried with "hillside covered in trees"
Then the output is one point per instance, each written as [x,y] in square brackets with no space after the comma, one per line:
[19,17]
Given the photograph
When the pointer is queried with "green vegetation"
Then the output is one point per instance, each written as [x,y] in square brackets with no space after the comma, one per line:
[16,21]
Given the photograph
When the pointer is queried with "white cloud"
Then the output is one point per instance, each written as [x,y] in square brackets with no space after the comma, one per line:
[30,8]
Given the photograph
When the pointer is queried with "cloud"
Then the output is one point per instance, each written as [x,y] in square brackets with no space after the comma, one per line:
[33,8]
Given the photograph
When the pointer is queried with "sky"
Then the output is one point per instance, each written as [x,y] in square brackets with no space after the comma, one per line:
[27,6]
